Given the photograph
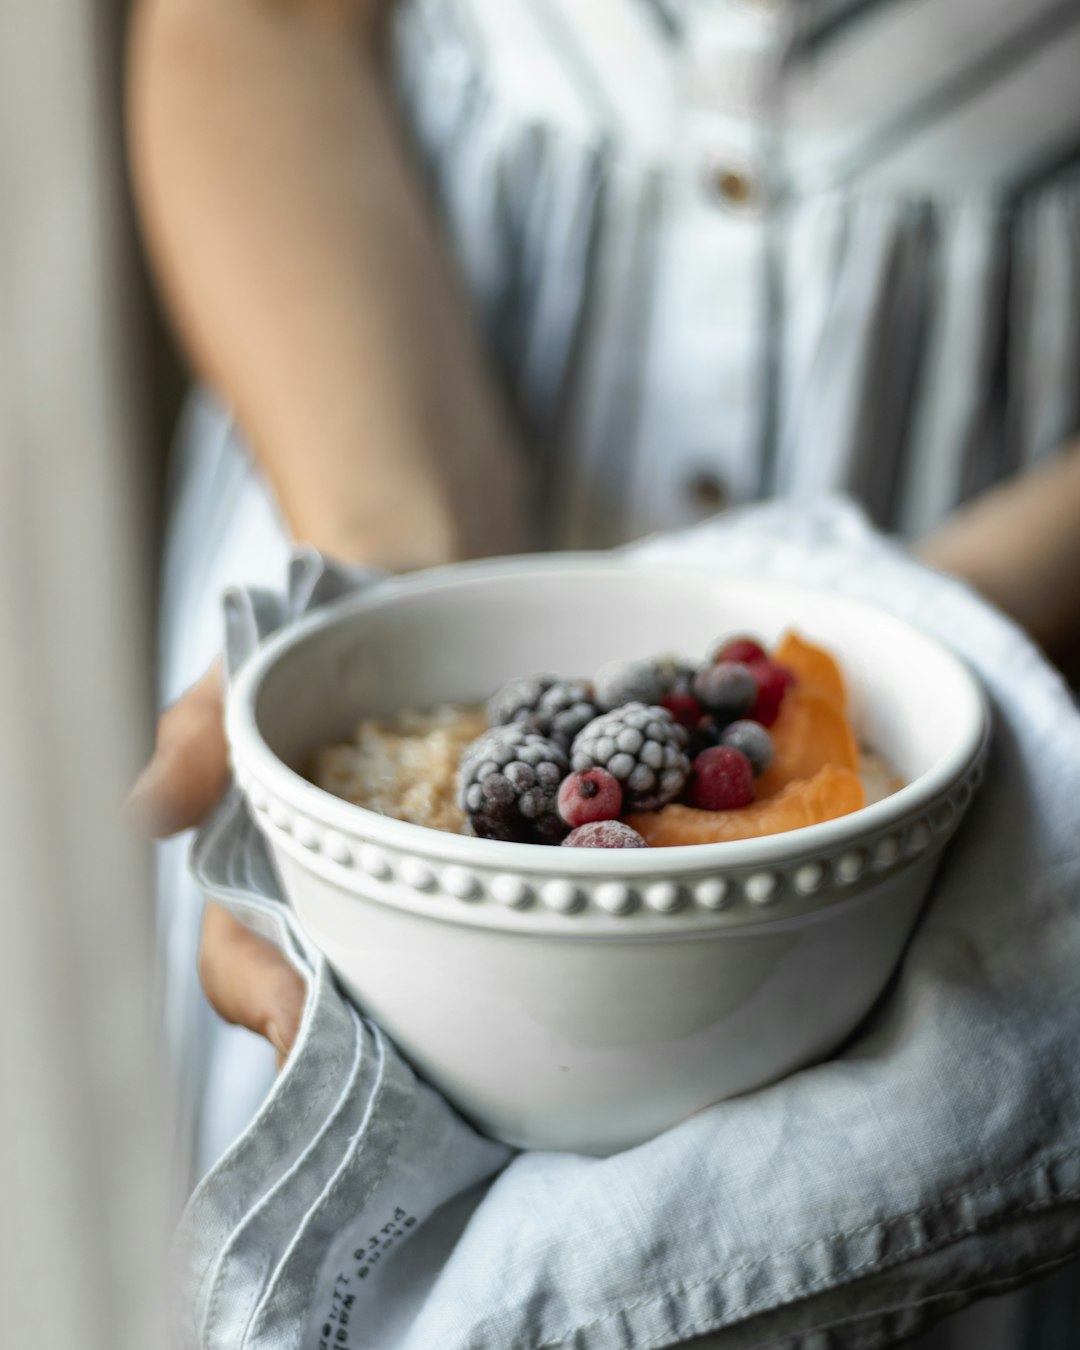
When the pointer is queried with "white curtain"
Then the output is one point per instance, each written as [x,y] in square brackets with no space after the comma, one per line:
[82,1176]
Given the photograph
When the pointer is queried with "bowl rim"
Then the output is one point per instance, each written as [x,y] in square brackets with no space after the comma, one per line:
[254,758]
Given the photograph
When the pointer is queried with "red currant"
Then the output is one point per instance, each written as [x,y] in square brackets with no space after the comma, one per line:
[590,796]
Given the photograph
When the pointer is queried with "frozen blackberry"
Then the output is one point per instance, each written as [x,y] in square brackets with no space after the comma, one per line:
[517,701]
[622,682]
[508,786]
[551,707]
[564,709]
[643,747]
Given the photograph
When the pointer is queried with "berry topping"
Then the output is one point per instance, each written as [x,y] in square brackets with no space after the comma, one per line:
[509,786]
[643,747]
[590,796]
[518,700]
[604,834]
[754,742]
[772,680]
[683,706]
[742,649]
[678,673]
[622,682]
[727,690]
[551,707]
[722,780]
[703,736]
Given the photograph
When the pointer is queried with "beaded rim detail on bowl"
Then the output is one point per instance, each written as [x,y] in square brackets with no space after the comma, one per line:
[744,888]
[665,897]
[512,891]
[418,875]
[616,897]
[713,893]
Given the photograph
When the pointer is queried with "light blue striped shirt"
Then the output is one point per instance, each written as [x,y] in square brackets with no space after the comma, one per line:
[745,247]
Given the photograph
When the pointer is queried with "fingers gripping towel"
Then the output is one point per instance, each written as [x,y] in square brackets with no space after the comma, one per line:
[283,1243]
[937,1158]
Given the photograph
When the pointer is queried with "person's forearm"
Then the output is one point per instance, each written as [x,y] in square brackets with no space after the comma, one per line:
[308,282]
[1020,546]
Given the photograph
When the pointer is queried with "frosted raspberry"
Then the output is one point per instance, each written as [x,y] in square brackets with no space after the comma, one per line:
[604,834]
[721,780]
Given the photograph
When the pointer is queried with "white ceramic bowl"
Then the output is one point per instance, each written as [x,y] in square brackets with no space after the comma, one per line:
[579,999]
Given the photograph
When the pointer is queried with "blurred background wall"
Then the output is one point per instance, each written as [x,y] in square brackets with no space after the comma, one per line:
[85,389]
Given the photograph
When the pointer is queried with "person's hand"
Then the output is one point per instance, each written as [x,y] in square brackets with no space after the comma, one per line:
[1019,544]
[245,977]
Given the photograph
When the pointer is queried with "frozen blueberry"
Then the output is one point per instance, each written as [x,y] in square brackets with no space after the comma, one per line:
[727,690]
[622,682]
[754,742]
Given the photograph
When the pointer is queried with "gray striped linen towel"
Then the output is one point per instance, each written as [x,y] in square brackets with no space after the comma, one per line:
[935,1160]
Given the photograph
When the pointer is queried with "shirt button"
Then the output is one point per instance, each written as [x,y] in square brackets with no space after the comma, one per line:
[733,187]
[707,491]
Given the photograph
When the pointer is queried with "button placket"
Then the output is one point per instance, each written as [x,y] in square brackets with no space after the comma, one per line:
[707,343]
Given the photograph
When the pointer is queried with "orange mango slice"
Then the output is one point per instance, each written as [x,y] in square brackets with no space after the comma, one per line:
[810,733]
[830,793]
[816,671]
